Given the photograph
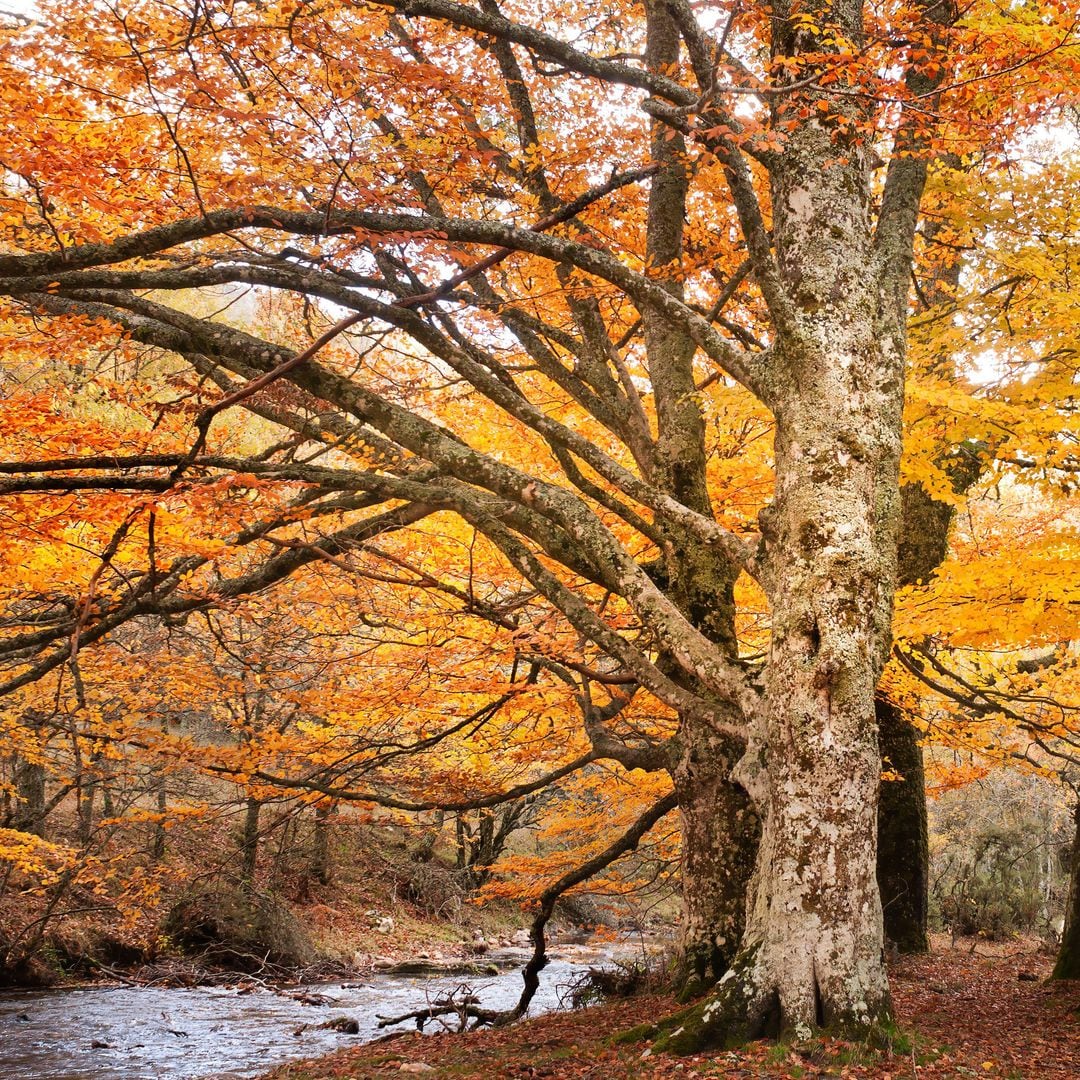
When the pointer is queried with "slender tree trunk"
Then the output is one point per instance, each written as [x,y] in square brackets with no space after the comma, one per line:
[86,792]
[29,813]
[1068,958]
[249,848]
[903,844]
[108,803]
[158,850]
[320,844]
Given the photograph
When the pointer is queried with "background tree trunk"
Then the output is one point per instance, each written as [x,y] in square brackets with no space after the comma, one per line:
[903,860]
[320,843]
[1068,958]
[249,846]
[29,815]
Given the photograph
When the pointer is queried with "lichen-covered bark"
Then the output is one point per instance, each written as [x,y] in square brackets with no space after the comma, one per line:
[719,824]
[813,947]
[903,844]
[720,836]
[1068,958]
[813,952]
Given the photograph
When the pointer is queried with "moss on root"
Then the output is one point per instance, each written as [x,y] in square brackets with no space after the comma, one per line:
[730,1016]
[691,989]
[639,1033]
[738,1010]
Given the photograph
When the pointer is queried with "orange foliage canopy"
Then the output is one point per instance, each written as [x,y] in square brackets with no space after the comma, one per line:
[373,546]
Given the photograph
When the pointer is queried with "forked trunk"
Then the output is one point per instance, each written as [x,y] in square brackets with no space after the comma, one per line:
[813,952]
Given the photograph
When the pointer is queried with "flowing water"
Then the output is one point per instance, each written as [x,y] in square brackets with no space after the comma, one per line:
[146,1033]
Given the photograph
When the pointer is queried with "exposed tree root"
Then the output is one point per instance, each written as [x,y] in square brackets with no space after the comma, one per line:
[744,1006]
[735,1012]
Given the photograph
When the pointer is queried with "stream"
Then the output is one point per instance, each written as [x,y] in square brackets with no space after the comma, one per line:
[146,1033]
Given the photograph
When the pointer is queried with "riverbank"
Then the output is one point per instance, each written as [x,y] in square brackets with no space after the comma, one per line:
[983,1011]
[182,921]
[183,1033]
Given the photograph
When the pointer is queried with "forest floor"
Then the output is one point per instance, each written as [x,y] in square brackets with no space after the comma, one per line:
[983,1010]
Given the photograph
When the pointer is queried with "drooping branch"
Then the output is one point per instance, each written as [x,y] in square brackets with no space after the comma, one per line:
[348,793]
[454,458]
[626,843]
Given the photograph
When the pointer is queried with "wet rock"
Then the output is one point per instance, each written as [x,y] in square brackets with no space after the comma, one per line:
[311,999]
[435,967]
[345,1024]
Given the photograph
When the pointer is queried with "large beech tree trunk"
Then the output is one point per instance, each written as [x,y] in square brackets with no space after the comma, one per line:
[813,949]
[814,924]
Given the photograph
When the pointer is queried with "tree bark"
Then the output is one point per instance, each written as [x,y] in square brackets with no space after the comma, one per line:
[1068,958]
[29,813]
[903,843]
[320,843]
[720,833]
[815,916]
[249,846]
[161,789]
[813,951]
